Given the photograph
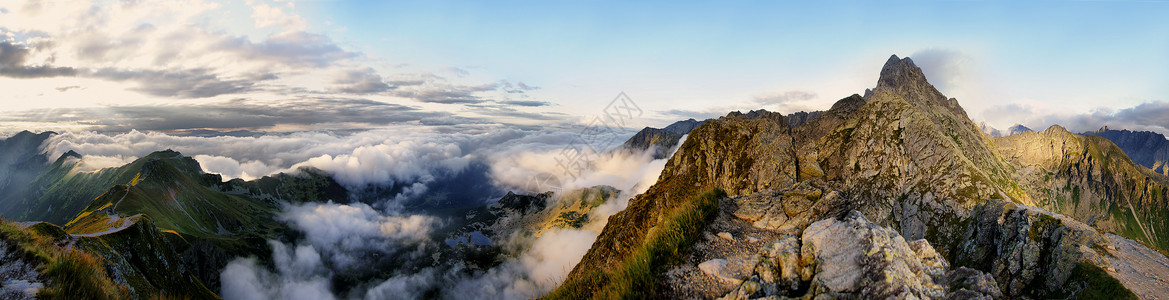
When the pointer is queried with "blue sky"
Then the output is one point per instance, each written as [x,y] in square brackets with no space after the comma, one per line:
[1079,55]
[1030,62]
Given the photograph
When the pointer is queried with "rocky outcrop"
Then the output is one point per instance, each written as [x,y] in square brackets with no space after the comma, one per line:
[1037,254]
[849,257]
[684,126]
[19,278]
[1146,148]
[905,155]
[1023,247]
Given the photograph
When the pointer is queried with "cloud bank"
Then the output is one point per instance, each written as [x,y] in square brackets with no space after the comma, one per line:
[1147,116]
[343,238]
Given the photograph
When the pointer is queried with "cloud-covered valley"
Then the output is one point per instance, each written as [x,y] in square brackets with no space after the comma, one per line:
[468,165]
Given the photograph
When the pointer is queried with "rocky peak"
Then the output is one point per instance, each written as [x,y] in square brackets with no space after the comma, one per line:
[1056,130]
[901,77]
[899,72]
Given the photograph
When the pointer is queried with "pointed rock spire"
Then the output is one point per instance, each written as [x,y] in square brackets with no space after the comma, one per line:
[900,72]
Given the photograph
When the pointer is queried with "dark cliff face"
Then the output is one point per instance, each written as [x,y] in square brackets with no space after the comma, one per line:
[1149,149]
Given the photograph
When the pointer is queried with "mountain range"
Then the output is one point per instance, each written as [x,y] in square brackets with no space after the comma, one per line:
[893,193]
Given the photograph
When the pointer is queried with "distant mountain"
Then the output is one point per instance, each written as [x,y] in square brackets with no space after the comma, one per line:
[21,161]
[1017,129]
[1013,130]
[1149,149]
[663,139]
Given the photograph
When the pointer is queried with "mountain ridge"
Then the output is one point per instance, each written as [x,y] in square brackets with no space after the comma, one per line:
[903,155]
[1147,148]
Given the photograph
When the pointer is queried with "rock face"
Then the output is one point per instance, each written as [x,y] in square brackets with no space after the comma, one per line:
[19,278]
[849,257]
[1149,149]
[1024,247]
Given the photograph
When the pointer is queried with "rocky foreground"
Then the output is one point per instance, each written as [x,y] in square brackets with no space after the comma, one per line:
[744,255]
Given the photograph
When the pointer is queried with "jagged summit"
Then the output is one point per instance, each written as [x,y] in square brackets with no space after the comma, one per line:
[898,72]
[901,77]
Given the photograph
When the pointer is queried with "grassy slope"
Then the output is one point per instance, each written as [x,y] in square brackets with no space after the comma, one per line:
[637,274]
[70,272]
[168,190]
[147,259]
[63,191]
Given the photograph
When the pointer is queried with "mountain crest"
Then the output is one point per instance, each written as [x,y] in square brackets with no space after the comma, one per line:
[899,72]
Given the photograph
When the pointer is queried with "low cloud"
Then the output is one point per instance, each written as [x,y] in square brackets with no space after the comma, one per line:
[548,259]
[946,69]
[344,238]
[534,273]
[346,232]
[299,274]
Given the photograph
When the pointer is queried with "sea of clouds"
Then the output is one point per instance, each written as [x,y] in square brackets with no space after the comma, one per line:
[337,237]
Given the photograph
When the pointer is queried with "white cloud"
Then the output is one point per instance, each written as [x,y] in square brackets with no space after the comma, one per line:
[269,15]
[300,275]
[345,232]
[947,69]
